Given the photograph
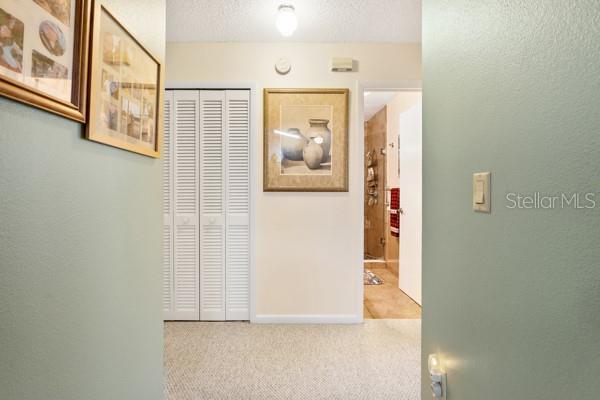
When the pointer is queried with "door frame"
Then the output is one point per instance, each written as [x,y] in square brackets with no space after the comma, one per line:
[360,88]
[254,163]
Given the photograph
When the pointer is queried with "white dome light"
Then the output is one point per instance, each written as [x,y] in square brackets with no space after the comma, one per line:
[286,20]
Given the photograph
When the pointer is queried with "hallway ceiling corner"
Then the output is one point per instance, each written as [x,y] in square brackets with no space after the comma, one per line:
[385,21]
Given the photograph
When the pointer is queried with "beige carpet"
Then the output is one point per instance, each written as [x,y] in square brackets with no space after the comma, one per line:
[233,360]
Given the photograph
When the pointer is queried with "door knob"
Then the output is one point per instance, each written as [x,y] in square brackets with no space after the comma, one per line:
[401,211]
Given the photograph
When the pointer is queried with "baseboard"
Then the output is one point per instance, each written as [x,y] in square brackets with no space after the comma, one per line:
[307,319]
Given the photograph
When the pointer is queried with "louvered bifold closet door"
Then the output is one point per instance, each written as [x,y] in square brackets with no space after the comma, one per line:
[168,208]
[212,209]
[237,270]
[186,240]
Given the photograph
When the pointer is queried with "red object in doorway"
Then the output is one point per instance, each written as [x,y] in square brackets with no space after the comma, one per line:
[395,212]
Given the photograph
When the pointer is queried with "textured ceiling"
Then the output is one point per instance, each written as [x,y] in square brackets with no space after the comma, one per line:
[375,101]
[318,20]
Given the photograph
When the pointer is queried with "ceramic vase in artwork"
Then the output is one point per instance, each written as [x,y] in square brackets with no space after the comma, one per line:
[313,154]
[293,144]
[318,129]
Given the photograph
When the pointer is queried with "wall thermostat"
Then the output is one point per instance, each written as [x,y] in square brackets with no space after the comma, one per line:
[283,66]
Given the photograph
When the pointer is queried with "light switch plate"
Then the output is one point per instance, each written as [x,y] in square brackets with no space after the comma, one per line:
[482,192]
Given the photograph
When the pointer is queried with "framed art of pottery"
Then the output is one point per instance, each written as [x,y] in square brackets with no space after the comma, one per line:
[306,140]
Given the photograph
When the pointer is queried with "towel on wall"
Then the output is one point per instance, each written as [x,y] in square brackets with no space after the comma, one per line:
[395,212]
[395,198]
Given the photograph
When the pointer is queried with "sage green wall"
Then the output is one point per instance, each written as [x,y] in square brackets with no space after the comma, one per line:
[512,298]
[80,258]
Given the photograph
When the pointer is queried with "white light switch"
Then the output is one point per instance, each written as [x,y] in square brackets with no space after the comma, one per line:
[481,192]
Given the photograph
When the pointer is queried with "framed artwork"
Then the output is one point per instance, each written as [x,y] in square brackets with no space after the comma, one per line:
[305,140]
[43,54]
[124,88]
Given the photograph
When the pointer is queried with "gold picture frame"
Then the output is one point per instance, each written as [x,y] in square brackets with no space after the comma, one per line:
[125,88]
[44,55]
[305,140]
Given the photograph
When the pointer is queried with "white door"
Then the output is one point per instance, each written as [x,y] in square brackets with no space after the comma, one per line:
[212,205]
[237,270]
[185,195]
[168,208]
[411,162]
[206,195]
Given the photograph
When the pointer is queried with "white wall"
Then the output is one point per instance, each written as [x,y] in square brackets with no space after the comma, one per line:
[308,245]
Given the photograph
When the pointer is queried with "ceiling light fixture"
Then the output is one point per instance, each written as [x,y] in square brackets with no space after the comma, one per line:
[286,20]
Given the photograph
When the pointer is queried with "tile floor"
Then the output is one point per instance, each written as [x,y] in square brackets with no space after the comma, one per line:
[387,300]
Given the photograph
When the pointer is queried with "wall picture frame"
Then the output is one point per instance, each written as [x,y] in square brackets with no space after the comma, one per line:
[44,54]
[305,140]
[125,88]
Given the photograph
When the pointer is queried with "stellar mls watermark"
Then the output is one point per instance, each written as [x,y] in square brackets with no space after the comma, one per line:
[537,200]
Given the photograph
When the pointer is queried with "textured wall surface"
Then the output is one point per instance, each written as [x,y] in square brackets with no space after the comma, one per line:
[512,298]
[309,246]
[375,139]
[80,259]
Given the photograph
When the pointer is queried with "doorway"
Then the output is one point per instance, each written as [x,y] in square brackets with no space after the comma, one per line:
[392,203]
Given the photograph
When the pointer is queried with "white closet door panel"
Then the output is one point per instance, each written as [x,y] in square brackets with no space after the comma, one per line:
[167,208]
[186,143]
[238,273]
[212,210]
[207,210]
[186,148]
[237,297]
[212,273]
